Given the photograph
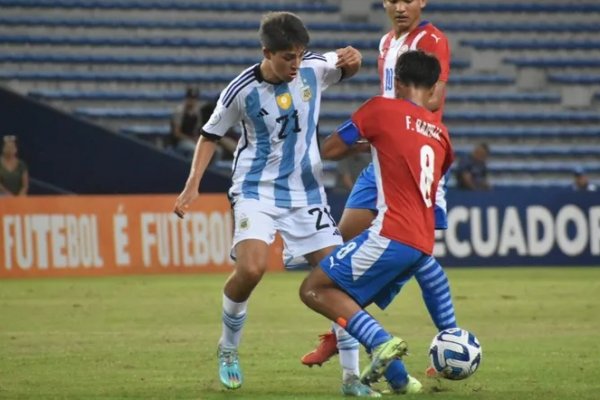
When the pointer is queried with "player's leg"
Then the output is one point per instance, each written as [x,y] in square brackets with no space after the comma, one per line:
[359,212]
[436,294]
[253,232]
[399,381]
[311,233]
[353,276]
[342,342]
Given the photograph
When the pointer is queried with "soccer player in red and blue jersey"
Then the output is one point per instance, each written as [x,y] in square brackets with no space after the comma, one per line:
[408,32]
[411,153]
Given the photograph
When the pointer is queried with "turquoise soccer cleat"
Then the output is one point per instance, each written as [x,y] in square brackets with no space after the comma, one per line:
[355,388]
[381,357]
[229,367]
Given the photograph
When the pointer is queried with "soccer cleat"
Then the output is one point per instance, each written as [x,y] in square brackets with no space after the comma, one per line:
[431,372]
[381,357]
[353,387]
[326,349]
[229,367]
[412,387]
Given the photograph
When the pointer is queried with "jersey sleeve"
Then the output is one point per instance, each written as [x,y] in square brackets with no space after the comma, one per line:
[225,115]
[436,43]
[324,67]
[362,116]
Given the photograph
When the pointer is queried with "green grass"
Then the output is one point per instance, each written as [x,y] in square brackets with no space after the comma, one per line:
[154,337]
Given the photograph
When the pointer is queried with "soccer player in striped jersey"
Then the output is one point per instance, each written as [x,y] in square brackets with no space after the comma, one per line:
[408,32]
[276,180]
[411,152]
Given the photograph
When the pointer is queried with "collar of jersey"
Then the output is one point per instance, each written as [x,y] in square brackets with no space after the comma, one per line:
[260,78]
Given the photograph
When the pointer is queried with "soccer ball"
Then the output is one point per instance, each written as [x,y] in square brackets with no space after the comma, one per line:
[455,353]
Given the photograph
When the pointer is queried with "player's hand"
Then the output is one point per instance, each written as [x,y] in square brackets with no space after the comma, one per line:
[182,204]
[362,147]
[348,57]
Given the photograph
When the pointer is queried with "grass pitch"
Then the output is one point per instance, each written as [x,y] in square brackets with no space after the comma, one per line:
[154,337]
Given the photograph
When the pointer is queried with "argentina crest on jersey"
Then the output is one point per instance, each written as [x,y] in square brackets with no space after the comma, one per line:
[306,92]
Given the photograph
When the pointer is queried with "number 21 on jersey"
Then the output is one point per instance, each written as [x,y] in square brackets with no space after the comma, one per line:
[426,179]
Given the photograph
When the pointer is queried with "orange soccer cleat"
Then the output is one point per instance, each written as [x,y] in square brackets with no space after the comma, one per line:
[326,349]
[431,372]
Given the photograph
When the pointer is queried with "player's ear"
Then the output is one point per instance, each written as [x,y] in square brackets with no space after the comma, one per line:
[423,3]
[398,86]
[432,90]
[266,53]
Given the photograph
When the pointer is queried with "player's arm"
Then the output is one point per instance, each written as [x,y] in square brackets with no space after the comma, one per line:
[349,61]
[205,149]
[437,99]
[342,142]
[440,48]
[224,116]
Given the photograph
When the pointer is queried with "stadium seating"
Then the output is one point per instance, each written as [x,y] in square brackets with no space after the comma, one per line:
[554,62]
[532,44]
[125,64]
[170,24]
[516,97]
[186,5]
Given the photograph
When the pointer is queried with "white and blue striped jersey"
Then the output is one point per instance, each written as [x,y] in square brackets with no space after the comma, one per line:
[277,159]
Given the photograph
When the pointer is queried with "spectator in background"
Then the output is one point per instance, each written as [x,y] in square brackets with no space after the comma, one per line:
[348,170]
[471,173]
[228,143]
[186,123]
[581,181]
[14,178]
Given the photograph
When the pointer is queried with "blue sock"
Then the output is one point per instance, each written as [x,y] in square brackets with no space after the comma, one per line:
[396,374]
[367,330]
[436,294]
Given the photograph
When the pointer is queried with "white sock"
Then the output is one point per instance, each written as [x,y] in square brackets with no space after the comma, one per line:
[348,348]
[234,316]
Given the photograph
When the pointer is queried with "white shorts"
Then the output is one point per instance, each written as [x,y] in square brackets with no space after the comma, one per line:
[303,229]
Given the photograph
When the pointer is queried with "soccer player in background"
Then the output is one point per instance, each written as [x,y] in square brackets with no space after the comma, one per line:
[276,179]
[408,32]
[411,153]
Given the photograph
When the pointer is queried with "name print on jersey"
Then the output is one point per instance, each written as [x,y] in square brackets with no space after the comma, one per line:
[423,127]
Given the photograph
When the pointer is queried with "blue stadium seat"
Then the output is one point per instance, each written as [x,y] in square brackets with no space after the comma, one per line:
[182,5]
[97,95]
[173,24]
[487,7]
[477,133]
[510,27]
[513,132]
[562,44]
[140,76]
[540,151]
[164,95]
[538,167]
[193,42]
[96,59]
[512,97]
[511,116]
[560,116]
[554,62]
[574,79]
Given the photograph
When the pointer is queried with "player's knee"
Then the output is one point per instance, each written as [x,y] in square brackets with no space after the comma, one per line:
[310,293]
[251,271]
